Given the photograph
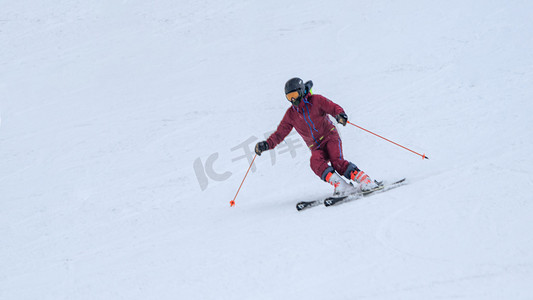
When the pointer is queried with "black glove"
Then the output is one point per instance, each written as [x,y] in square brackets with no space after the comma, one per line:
[260,147]
[342,118]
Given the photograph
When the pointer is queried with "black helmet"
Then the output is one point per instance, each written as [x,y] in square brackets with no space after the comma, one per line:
[295,85]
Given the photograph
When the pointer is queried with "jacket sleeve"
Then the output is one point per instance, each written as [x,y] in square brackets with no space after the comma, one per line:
[328,106]
[284,128]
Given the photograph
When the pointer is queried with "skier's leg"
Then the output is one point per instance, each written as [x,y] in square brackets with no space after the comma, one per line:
[344,167]
[334,148]
[319,162]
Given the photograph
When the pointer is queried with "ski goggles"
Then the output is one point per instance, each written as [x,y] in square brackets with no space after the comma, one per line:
[292,95]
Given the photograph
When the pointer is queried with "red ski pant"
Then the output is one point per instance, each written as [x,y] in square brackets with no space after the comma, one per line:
[330,151]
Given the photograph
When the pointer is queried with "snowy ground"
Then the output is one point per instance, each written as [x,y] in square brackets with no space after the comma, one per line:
[124,126]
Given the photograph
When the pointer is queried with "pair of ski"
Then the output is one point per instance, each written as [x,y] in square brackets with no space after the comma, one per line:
[330,201]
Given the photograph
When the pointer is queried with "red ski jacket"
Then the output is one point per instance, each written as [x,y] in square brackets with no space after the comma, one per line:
[310,120]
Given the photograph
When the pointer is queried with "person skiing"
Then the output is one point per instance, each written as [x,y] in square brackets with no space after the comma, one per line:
[308,115]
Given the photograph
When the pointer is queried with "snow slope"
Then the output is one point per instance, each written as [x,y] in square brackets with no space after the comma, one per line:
[124,125]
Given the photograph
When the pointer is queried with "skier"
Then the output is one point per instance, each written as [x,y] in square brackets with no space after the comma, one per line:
[308,115]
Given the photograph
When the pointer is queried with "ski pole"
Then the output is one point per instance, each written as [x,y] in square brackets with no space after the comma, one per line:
[232,202]
[422,155]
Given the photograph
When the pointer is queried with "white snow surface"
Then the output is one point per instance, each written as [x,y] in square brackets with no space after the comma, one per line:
[111,109]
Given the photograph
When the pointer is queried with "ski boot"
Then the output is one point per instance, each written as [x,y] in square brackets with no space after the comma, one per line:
[342,188]
[366,184]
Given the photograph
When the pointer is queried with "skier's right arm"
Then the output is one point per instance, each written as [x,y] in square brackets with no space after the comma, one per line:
[284,128]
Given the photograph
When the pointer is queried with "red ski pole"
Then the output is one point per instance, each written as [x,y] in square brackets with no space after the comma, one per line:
[232,202]
[422,155]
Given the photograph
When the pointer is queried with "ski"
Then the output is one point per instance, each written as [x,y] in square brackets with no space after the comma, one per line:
[382,188]
[308,204]
[334,200]
[330,201]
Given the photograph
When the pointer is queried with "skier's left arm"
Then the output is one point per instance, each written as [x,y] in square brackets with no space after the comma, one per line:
[332,109]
